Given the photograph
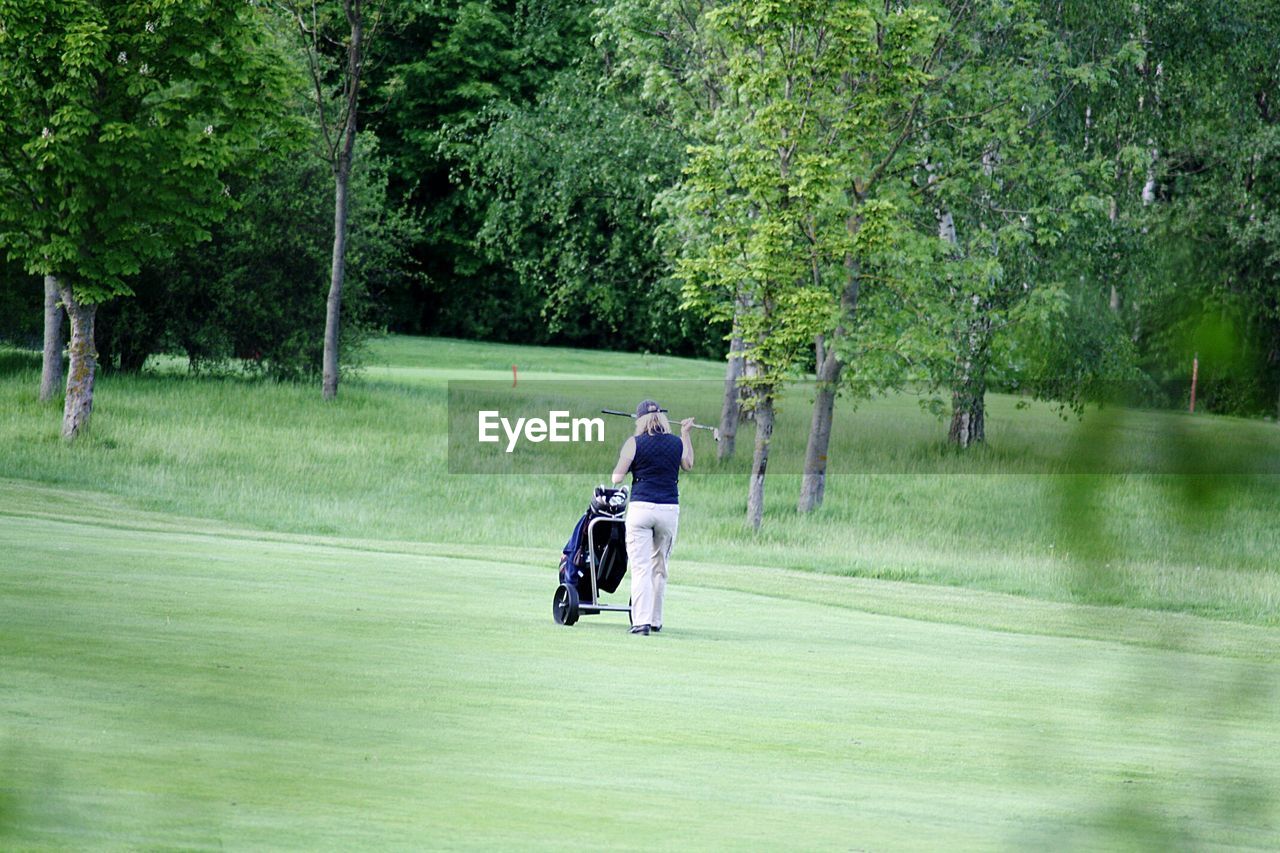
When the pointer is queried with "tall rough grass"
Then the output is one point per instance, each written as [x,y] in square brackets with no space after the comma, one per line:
[899,505]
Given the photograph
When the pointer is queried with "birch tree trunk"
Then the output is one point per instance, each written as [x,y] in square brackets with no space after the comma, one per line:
[1149,187]
[968,419]
[760,460]
[969,395]
[51,365]
[969,392]
[82,367]
[333,308]
[968,415]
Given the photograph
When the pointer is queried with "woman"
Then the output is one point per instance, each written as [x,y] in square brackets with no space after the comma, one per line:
[654,457]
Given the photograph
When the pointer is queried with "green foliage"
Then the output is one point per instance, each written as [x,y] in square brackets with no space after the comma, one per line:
[256,291]
[1216,281]
[435,78]
[1189,123]
[785,201]
[1008,199]
[1073,351]
[902,183]
[180,683]
[117,123]
[568,183]
[798,157]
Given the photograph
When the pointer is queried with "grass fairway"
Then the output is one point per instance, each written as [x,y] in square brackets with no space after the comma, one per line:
[168,687]
[235,618]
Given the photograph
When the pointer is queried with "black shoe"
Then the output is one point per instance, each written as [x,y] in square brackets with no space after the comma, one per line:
[655,628]
[640,629]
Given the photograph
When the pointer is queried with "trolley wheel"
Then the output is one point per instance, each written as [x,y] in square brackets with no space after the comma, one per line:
[564,606]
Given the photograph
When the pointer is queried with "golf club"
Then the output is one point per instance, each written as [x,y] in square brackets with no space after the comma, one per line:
[715,432]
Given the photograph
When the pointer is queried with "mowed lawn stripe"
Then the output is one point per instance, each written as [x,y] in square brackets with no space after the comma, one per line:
[175,689]
[974,608]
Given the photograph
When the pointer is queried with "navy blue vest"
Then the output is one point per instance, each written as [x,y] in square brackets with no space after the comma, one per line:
[655,470]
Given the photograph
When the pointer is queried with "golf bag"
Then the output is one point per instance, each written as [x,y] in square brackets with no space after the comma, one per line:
[609,537]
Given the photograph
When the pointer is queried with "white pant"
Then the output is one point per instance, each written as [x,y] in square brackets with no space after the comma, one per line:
[651,531]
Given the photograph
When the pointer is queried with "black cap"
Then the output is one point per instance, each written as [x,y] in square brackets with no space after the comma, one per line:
[648,407]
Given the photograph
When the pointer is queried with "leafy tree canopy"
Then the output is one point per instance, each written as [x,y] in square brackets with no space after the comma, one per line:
[117,121]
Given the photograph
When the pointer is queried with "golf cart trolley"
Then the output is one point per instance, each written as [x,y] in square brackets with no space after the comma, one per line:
[595,558]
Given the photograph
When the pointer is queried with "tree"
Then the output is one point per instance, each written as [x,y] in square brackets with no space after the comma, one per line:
[566,185]
[776,208]
[1005,193]
[116,124]
[1185,114]
[880,112]
[809,116]
[679,65]
[846,95]
[344,28]
[444,74]
[1212,284]
[253,297]
[51,359]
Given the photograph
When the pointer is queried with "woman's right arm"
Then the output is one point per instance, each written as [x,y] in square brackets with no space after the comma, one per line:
[625,457]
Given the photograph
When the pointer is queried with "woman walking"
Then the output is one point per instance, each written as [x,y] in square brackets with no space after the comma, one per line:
[654,457]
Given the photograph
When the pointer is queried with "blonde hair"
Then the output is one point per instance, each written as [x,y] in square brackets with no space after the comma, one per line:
[652,424]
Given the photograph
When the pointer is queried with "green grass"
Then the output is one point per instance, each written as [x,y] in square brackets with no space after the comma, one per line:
[898,507]
[233,616]
[408,360]
[180,683]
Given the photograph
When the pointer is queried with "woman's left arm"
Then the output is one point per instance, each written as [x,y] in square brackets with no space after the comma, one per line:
[625,457]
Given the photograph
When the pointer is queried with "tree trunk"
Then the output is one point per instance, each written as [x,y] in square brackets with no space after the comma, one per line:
[969,395]
[333,308]
[51,368]
[80,372]
[730,408]
[814,483]
[342,160]
[760,461]
[813,486]
[746,411]
[947,227]
[968,418]
[1150,186]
